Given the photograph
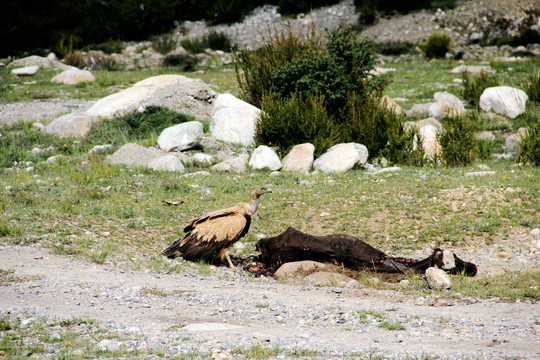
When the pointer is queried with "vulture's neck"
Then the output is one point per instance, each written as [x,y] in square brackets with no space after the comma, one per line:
[253,206]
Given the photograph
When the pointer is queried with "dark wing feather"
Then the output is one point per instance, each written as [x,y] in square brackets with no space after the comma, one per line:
[214,231]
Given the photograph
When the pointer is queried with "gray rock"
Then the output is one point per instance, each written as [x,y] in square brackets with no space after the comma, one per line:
[504,100]
[512,142]
[235,165]
[421,123]
[446,105]
[391,105]
[74,76]
[485,135]
[175,92]
[299,159]
[43,62]
[100,149]
[108,345]
[264,158]
[233,120]
[430,144]
[298,268]
[437,278]
[168,162]
[341,157]
[25,71]
[75,125]
[181,137]
[132,154]
[419,110]
[474,69]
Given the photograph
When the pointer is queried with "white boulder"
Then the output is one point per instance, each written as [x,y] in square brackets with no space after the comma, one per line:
[132,154]
[168,162]
[430,143]
[504,100]
[437,278]
[446,105]
[264,158]
[25,71]
[341,157]
[233,120]
[299,159]
[175,92]
[235,165]
[181,137]
[74,76]
[75,125]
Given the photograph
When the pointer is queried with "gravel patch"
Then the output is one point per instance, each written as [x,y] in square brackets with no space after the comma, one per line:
[229,310]
[41,111]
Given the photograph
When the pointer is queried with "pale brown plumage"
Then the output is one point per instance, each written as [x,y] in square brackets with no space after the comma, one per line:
[216,231]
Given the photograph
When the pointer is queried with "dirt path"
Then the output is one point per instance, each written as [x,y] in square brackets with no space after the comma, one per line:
[209,314]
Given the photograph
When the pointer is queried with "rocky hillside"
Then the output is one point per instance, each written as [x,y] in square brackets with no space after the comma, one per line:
[476,19]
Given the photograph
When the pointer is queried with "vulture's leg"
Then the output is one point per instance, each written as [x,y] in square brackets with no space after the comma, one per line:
[225,253]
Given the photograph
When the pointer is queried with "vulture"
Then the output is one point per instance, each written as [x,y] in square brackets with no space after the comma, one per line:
[217,230]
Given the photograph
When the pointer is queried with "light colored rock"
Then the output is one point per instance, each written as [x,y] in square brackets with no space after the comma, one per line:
[535,232]
[391,105]
[430,144]
[329,278]
[55,159]
[341,157]
[175,92]
[504,100]
[387,170]
[235,165]
[75,125]
[233,120]
[25,71]
[181,137]
[421,123]
[473,69]
[74,76]
[43,62]
[168,162]
[132,154]
[512,142]
[264,158]
[300,158]
[446,105]
[437,278]
[485,135]
[419,110]
[98,149]
[298,268]
[200,158]
[38,126]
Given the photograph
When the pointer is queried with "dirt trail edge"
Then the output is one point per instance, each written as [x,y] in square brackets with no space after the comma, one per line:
[209,314]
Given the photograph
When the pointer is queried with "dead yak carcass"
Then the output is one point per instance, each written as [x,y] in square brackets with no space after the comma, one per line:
[352,253]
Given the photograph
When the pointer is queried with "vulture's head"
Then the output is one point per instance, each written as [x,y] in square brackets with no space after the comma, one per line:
[257,191]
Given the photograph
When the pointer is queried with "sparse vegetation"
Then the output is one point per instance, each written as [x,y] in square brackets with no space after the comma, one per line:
[436,46]
[474,86]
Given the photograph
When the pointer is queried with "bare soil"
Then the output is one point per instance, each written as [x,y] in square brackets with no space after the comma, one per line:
[213,314]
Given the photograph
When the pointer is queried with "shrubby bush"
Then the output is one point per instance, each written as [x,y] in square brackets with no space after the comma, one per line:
[436,46]
[529,153]
[135,125]
[182,62]
[532,87]
[324,86]
[212,40]
[458,141]
[474,85]
[394,48]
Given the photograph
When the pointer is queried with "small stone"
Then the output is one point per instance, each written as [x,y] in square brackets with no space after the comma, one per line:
[535,232]
[437,278]
[505,255]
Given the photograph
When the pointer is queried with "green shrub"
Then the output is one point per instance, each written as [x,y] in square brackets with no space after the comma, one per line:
[436,46]
[213,40]
[529,152]
[457,142]
[218,41]
[75,59]
[394,48]
[286,122]
[474,85]
[532,87]
[404,146]
[296,72]
[164,43]
[135,126]
[193,46]
[484,149]
[524,38]
[182,61]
